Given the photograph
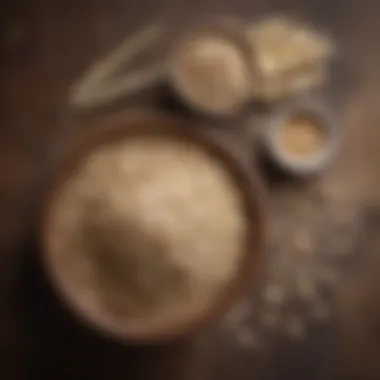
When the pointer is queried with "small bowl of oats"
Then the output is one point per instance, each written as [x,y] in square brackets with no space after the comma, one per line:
[211,68]
[152,228]
[302,138]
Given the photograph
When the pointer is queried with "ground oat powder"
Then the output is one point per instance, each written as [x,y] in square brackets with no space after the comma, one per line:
[149,229]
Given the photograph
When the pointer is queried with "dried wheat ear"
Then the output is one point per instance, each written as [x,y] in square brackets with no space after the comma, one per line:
[101,86]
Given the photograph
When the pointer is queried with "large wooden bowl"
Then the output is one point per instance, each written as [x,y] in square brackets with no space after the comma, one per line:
[126,125]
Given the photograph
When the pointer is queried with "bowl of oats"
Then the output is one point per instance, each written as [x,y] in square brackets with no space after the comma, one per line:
[302,138]
[152,228]
[211,68]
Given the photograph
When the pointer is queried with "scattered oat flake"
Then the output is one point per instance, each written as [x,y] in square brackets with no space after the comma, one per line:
[269,318]
[274,294]
[306,285]
[237,314]
[303,241]
[247,338]
[321,312]
[295,327]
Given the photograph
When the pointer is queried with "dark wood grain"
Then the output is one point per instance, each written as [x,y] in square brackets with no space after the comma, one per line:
[47,44]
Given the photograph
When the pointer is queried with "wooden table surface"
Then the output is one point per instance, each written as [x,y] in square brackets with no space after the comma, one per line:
[325,227]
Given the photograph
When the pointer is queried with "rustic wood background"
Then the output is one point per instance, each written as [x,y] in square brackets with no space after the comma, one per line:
[46,45]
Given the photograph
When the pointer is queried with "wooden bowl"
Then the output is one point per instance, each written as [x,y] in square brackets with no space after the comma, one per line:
[212,67]
[146,123]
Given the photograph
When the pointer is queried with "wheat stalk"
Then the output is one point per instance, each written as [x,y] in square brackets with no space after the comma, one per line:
[92,90]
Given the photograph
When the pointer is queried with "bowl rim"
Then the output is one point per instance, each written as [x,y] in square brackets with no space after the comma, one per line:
[128,124]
